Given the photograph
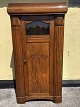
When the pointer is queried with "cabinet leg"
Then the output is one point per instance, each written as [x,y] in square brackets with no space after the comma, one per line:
[57,99]
[21,100]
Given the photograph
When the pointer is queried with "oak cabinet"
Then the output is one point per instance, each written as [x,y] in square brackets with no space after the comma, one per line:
[38,35]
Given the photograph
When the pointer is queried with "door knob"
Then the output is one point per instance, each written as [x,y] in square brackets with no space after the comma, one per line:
[25,61]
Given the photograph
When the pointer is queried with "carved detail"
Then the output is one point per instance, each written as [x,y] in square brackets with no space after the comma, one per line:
[15,21]
[36,62]
[39,56]
[59,20]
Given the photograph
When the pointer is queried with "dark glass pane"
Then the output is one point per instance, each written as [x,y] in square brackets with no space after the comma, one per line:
[37,28]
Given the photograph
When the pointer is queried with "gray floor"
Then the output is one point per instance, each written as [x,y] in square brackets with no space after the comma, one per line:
[71,98]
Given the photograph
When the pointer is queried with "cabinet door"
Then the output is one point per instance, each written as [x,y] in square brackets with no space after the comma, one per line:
[37,38]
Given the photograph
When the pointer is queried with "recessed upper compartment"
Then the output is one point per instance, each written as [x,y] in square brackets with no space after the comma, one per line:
[37,8]
[37,28]
[38,25]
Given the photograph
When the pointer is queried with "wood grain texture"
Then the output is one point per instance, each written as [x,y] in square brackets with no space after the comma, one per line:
[58,62]
[59,20]
[41,44]
[38,59]
[18,59]
[23,38]
[38,67]
[38,39]
[51,55]
[43,97]
[36,8]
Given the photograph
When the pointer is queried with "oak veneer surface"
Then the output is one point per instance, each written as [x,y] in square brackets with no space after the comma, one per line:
[36,8]
[38,58]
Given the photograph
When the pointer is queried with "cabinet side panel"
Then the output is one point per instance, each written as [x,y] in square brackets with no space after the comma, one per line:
[58,58]
[58,62]
[18,60]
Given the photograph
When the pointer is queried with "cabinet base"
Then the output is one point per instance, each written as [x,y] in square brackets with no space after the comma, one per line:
[57,99]
[22,100]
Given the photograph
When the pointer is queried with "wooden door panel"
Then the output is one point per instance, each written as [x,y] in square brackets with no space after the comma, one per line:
[38,67]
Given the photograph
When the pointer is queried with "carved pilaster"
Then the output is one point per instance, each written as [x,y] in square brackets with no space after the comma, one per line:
[18,59]
[58,59]
[15,21]
[59,20]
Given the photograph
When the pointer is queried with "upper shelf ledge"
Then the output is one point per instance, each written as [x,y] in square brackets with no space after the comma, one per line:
[37,8]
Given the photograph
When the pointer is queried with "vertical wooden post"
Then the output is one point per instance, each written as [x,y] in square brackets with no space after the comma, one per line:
[18,59]
[58,58]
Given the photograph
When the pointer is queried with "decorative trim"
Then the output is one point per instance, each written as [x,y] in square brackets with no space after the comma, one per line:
[36,8]
[59,20]
[4,84]
[15,21]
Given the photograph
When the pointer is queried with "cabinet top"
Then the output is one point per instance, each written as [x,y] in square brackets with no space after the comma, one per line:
[37,8]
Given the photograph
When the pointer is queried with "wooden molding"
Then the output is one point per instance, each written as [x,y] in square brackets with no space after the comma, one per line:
[37,8]
[59,20]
